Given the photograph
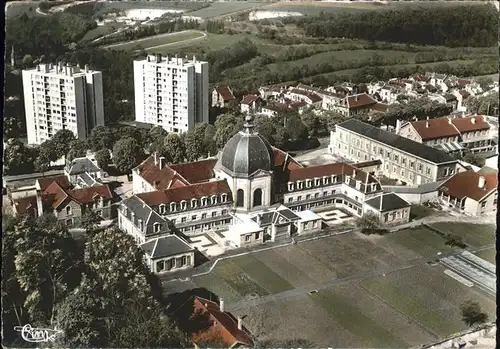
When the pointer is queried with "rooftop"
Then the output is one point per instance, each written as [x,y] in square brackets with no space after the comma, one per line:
[467,184]
[166,246]
[390,201]
[404,144]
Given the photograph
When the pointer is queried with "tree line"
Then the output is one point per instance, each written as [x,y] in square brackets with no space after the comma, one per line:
[96,289]
[473,25]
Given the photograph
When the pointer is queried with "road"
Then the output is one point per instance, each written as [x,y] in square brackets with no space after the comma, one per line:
[159,36]
[301,291]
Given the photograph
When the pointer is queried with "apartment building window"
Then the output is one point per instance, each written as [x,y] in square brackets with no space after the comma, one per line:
[402,173]
[308,196]
[290,200]
[183,220]
[224,212]
[247,238]
[214,213]
[483,204]
[420,167]
[299,198]
[68,210]
[396,158]
[428,170]
[204,216]
[403,161]
[410,175]
[193,217]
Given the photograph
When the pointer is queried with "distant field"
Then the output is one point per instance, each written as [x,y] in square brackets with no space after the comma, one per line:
[101,31]
[217,9]
[171,5]
[158,40]
[473,234]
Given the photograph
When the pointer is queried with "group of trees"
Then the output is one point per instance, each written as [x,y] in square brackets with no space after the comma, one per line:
[99,292]
[419,108]
[231,56]
[474,25]
[487,105]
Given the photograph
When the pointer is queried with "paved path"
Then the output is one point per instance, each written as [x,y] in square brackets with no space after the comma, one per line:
[301,291]
[155,37]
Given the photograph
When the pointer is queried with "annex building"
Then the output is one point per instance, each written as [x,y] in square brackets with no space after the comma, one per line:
[249,194]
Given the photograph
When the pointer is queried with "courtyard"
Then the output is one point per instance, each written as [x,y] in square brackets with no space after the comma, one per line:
[348,290]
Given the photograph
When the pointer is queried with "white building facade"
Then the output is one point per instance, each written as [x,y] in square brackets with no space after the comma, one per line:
[171,92]
[58,97]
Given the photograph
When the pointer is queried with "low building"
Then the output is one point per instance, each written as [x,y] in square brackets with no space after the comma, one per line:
[83,167]
[310,98]
[472,193]
[415,194]
[402,158]
[309,222]
[390,208]
[168,253]
[222,96]
[251,102]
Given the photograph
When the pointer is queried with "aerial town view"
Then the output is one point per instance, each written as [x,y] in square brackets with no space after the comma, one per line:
[250,174]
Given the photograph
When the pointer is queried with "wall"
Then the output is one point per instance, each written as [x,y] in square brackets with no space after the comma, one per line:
[467,336]
[189,258]
[75,214]
[139,185]
[28,106]
[127,226]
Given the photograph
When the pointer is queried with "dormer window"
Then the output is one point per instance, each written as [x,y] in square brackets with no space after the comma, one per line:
[290,186]
[316,181]
[141,225]
[203,201]
[214,199]
[194,203]
[224,197]
[334,178]
[68,210]
[172,207]
[308,183]
[347,178]
[183,204]
[156,227]
[162,209]
[325,179]
[299,184]
[374,186]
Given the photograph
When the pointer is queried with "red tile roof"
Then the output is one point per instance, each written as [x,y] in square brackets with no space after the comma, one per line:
[223,324]
[279,160]
[361,100]
[248,99]
[195,172]
[421,78]
[438,128]
[465,184]
[225,93]
[161,179]
[187,193]
[368,163]
[381,107]
[296,105]
[87,195]
[327,170]
[471,123]
[464,93]
[25,206]
[62,180]
[312,96]
[463,82]
[397,83]
[54,195]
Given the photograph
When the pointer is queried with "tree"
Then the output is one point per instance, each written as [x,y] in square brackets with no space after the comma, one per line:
[127,154]
[295,128]
[312,123]
[103,158]
[157,135]
[194,142]
[47,265]
[265,127]
[226,126]
[210,146]
[16,158]
[62,141]
[48,147]
[77,149]
[27,61]
[174,148]
[472,313]
[473,159]
[101,137]
[369,221]
[43,159]
[90,221]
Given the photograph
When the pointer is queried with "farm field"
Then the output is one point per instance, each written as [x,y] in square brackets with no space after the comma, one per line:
[158,40]
[410,304]
[472,234]
[217,9]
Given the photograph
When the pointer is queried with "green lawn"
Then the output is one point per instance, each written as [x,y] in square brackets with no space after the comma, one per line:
[218,286]
[411,306]
[489,255]
[476,235]
[237,279]
[354,320]
[259,272]
[421,211]
[421,240]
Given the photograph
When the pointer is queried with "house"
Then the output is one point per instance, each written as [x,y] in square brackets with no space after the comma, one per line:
[309,222]
[469,192]
[451,134]
[310,98]
[168,253]
[359,103]
[251,102]
[403,159]
[390,208]
[222,96]
[84,168]
[67,203]
[205,321]
[451,100]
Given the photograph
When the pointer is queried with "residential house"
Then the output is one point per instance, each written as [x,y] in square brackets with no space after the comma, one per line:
[472,193]
[168,253]
[83,171]
[451,100]
[222,96]
[357,104]
[402,158]
[310,98]
[390,208]
[251,102]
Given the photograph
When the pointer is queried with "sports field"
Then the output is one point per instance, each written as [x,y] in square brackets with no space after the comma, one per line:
[156,42]
[374,291]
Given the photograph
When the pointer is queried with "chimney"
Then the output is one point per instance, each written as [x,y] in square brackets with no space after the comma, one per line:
[38,68]
[156,158]
[78,65]
[427,124]
[398,126]
[481,182]
[427,118]
[473,120]
[381,199]
[353,172]
[240,324]
[221,304]
[162,162]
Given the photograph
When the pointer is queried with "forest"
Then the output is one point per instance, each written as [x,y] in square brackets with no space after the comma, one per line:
[474,25]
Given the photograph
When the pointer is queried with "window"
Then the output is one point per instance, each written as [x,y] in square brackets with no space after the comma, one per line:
[172,206]
[420,167]
[193,217]
[315,224]
[308,196]
[316,195]
[247,238]
[183,261]
[68,210]
[290,200]
[224,197]
[299,198]
[204,216]
[141,226]
[194,203]
[325,193]
[290,186]
[183,220]
[257,235]
[428,170]
[224,212]
[214,199]
[214,214]
[69,222]
[183,205]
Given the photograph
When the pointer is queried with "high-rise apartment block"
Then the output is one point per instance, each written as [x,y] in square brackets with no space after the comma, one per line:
[58,97]
[171,92]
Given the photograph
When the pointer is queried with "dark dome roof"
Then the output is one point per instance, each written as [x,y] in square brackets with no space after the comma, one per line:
[247,152]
